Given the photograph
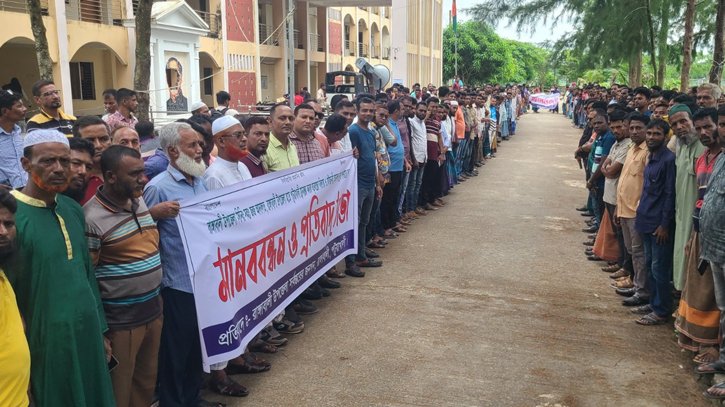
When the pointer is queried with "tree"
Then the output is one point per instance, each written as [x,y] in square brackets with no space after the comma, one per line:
[45,64]
[718,55]
[483,55]
[687,44]
[142,72]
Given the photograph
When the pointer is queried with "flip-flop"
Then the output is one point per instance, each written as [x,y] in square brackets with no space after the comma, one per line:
[651,319]
[718,368]
[228,387]
[712,396]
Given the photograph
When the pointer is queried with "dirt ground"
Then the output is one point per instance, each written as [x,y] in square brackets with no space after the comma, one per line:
[489,301]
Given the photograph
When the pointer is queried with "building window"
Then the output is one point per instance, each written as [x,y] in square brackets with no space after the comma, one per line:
[82,83]
[208,82]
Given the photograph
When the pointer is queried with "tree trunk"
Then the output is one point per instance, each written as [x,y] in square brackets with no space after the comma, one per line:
[687,44]
[718,55]
[45,64]
[663,51]
[632,70]
[652,49]
[638,70]
[142,73]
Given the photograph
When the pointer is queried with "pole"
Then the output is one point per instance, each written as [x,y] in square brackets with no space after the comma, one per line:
[456,37]
[291,52]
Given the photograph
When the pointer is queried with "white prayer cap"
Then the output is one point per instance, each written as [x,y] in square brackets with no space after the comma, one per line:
[197,105]
[454,103]
[41,136]
[222,124]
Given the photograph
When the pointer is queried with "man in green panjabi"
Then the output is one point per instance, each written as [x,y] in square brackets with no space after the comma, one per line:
[689,149]
[55,284]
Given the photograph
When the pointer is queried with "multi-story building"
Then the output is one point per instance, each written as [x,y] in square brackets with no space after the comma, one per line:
[199,47]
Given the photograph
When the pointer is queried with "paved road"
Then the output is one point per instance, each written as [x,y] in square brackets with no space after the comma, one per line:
[487,302]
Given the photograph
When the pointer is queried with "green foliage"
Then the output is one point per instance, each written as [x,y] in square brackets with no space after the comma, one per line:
[484,57]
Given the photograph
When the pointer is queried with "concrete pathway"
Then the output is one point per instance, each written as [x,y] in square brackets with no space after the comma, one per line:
[486,302]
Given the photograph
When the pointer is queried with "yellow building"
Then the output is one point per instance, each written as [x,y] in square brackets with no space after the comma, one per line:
[200,47]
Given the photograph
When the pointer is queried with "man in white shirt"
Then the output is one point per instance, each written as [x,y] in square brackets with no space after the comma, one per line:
[231,145]
[418,155]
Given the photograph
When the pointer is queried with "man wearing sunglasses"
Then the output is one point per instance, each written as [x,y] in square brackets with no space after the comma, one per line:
[51,116]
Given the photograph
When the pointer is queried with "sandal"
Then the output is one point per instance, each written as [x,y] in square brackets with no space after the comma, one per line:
[229,388]
[391,235]
[335,273]
[375,245]
[252,365]
[716,368]
[262,346]
[651,319]
[626,283]
[400,229]
[708,356]
[719,386]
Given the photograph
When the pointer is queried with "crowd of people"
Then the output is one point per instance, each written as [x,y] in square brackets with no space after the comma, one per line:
[656,206]
[98,307]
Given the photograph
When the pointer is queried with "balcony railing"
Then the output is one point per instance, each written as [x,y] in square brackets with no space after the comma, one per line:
[315,44]
[265,32]
[375,51]
[20,6]
[350,48]
[212,20]
[386,53]
[109,12]
[298,40]
[363,50]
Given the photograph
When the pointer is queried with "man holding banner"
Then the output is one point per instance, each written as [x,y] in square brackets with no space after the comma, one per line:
[179,373]
[544,101]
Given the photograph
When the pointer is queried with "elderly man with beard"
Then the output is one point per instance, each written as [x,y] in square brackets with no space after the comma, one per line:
[708,94]
[179,374]
[14,352]
[231,144]
[81,168]
[55,283]
[689,148]
[95,130]
[226,170]
[124,244]
[698,317]
[257,130]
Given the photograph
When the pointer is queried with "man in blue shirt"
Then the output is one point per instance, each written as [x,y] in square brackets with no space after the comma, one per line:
[12,111]
[362,137]
[599,152]
[391,191]
[655,218]
[179,373]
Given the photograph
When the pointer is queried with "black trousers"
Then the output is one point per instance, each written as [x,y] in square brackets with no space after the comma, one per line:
[430,179]
[180,368]
[389,204]
[624,260]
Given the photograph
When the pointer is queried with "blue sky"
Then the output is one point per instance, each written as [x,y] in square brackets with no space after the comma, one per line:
[503,29]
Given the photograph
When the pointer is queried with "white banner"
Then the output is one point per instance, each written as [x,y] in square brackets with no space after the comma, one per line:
[254,247]
[545,101]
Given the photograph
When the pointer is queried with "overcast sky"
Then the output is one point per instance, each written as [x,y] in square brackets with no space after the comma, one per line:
[543,33]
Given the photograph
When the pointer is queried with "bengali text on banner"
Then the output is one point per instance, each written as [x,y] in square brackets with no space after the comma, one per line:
[544,101]
[254,247]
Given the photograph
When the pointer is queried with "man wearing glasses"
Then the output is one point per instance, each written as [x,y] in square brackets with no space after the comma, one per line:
[51,116]
[231,145]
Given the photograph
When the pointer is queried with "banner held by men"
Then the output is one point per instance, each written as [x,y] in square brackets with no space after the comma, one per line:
[545,101]
[253,247]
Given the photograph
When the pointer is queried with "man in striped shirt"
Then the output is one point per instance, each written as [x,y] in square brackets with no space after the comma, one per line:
[124,246]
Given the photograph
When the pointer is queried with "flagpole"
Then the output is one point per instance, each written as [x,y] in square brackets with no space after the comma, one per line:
[456,37]
[455,33]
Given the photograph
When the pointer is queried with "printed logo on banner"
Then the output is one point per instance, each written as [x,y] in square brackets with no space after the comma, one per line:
[255,246]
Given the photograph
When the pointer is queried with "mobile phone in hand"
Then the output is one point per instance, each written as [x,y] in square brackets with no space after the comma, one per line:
[113,363]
